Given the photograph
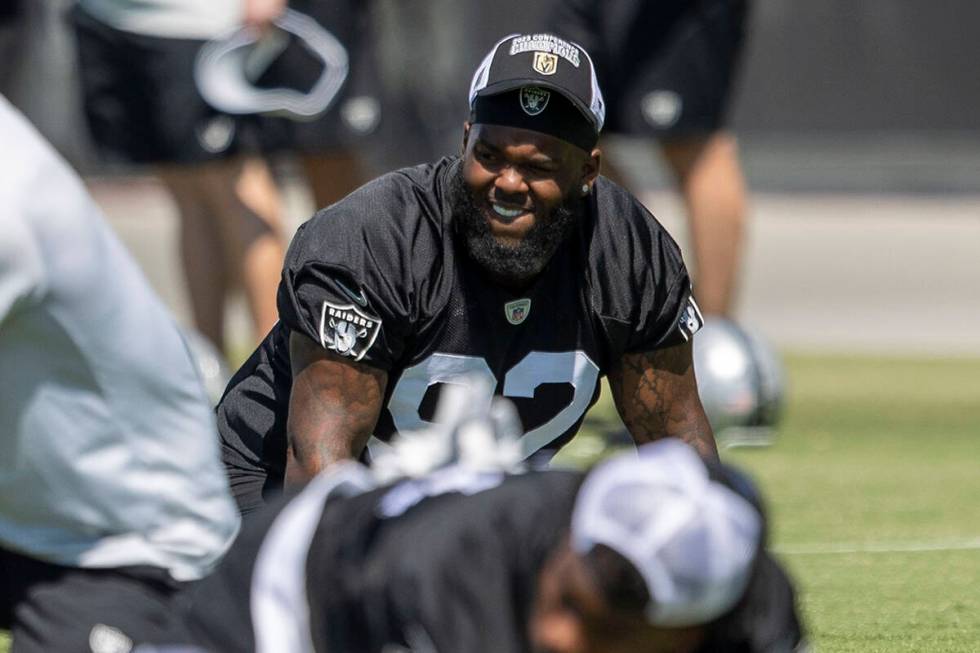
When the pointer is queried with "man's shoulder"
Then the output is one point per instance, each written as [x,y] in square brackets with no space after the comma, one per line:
[620,212]
[385,248]
[635,270]
[625,238]
[391,212]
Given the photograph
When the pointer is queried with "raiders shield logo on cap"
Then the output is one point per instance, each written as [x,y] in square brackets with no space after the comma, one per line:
[534,99]
[545,63]
[517,310]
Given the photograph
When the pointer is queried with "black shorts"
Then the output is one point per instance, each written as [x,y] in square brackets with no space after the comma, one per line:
[48,607]
[666,68]
[143,106]
[355,113]
[140,99]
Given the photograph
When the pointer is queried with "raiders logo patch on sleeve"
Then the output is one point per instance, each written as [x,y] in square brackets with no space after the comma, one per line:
[691,320]
[347,330]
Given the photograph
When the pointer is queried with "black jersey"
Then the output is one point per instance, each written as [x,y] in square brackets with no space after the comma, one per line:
[380,278]
[443,563]
[446,562]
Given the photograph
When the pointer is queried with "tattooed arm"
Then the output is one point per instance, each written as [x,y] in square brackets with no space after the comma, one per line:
[657,396]
[333,408]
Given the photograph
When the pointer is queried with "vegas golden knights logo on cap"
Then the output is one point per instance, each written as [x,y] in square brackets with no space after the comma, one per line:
[545,63]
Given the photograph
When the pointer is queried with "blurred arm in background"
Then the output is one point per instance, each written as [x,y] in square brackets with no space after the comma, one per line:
[259,13]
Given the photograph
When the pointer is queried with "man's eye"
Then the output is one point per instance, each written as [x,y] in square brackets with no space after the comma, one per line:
[540,171]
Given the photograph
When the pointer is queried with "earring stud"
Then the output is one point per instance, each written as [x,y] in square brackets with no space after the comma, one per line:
[585,189]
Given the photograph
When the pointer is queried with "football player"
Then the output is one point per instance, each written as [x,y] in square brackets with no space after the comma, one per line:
[112,496]
[516,262]
[651,552]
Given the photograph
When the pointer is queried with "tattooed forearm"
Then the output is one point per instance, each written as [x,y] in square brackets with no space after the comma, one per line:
[656,395]
[333,408]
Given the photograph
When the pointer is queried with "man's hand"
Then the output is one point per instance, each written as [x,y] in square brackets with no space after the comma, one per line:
[657,396]
[261,13]
[333,408]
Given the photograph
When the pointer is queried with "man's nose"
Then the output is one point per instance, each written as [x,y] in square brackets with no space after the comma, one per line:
[511,181]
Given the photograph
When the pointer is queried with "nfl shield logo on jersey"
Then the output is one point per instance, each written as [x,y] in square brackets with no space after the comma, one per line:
[347,330]
[517,310]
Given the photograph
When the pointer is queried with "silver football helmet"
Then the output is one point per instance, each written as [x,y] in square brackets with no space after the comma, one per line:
[741,382]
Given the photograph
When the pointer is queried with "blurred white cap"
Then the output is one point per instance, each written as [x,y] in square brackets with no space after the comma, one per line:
[227,67]
[692,539]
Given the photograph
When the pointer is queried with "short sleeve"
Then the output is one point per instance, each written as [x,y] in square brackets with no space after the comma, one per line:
[641,288]
[346,281]
[678,320]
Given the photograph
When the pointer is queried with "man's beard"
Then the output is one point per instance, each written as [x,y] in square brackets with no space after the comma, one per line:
[511,265]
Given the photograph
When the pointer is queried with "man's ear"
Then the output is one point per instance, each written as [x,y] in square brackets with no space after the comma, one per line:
[466,136]
[590,169]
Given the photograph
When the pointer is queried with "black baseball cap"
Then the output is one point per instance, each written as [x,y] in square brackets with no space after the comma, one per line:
[542,61]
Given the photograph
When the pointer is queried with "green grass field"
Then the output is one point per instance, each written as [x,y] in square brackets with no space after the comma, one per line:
[874,494]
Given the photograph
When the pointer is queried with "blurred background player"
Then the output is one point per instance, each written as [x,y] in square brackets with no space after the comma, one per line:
[136,66]
[327,145]
[111,493]
[667,69]
[650,552]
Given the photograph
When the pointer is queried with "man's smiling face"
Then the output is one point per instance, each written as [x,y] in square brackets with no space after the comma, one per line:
[525,191]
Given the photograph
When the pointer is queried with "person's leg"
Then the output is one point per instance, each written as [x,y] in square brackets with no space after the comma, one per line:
[230,234]
[260,242]
[202,251]
[332,175]
[711,181]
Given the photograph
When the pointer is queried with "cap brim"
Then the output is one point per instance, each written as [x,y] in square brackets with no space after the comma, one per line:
[513,84]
